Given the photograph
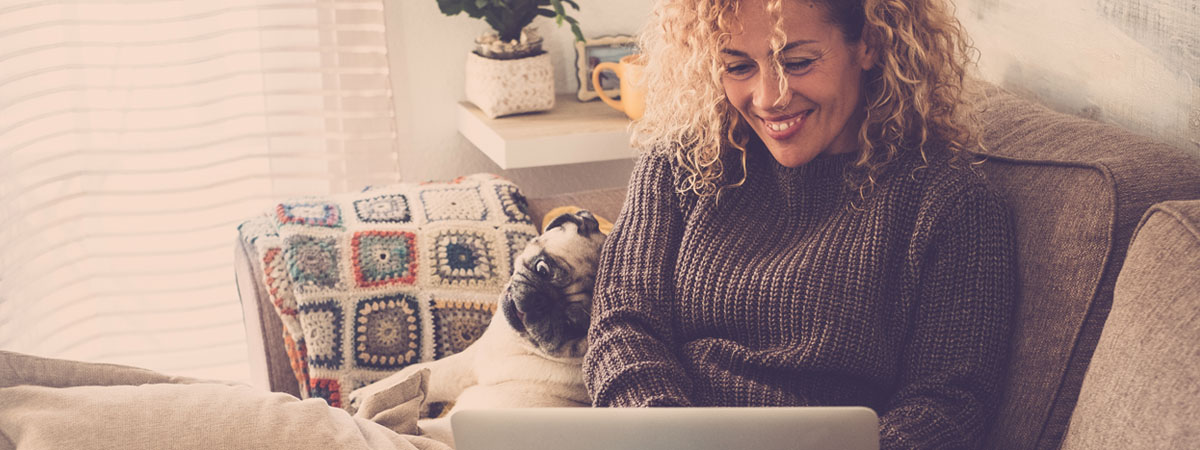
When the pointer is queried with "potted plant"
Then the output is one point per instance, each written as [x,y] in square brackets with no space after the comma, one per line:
[508,72]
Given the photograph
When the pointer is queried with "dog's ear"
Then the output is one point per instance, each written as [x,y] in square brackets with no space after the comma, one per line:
[560,220]
[583,219]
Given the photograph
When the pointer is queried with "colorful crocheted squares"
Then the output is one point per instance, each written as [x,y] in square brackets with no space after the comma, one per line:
[298,357]
[517,240]
[275,276]
[462,258]
[384,257]
[322,323]
[514,204]
[313,213]
[384,209]
[458,323]
[386,332]
[312,262]
[410,274]
[328,389]
[453,203]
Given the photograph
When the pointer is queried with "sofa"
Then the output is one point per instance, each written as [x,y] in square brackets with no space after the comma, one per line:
[1078,189]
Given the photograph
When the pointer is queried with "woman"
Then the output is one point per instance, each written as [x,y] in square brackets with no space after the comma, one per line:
[807,229]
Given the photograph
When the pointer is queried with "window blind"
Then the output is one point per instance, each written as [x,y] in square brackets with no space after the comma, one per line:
[136,134]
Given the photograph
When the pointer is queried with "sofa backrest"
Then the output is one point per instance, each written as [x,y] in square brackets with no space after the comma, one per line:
[1141,387]
[1077,189]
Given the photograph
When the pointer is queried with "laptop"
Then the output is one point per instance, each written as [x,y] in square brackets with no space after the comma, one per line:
[790,428]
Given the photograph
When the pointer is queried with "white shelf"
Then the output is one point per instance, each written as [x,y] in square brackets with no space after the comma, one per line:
[572,132]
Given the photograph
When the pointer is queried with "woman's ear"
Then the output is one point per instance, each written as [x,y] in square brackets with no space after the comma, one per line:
[866,54]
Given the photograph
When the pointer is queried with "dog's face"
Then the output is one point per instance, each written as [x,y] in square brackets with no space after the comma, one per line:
[549,298]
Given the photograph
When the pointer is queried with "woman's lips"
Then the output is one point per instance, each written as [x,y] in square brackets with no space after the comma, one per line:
[785,127]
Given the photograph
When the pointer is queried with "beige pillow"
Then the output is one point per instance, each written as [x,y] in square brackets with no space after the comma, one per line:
[162,414]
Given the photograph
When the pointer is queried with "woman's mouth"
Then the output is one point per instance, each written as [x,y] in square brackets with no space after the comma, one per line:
[785,127]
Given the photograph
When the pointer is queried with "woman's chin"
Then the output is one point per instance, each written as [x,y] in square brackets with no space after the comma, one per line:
[792,158]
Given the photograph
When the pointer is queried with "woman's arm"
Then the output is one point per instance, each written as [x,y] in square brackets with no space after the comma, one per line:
[631,359]
[955,356]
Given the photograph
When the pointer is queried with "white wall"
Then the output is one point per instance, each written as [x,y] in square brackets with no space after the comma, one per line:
[428,51]
[1135,63]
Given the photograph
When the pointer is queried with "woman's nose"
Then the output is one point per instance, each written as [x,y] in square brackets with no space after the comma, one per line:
[768,92]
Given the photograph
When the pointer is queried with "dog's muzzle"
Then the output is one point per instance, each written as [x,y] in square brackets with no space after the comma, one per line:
[543,315]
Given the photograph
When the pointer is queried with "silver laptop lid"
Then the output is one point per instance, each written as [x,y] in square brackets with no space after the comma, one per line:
[793,428]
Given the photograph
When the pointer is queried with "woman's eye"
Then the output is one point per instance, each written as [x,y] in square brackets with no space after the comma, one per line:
[739,70]
[798,65]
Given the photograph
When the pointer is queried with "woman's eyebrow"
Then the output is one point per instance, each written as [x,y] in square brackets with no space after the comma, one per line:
[789,46]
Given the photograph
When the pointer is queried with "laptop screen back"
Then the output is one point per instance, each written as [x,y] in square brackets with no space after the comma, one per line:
[792,428]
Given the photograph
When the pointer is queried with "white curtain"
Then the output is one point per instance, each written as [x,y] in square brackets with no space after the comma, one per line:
[136,134]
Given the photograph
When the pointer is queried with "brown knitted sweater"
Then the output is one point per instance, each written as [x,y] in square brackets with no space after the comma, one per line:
[783,295]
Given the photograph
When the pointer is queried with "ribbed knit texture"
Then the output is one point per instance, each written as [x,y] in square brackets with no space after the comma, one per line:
[785,295]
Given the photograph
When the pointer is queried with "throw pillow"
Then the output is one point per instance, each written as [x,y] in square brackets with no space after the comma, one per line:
[370,282]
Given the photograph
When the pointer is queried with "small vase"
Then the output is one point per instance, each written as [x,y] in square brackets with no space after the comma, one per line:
[501,87]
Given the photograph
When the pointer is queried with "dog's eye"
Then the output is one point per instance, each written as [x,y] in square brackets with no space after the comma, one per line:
[542,268]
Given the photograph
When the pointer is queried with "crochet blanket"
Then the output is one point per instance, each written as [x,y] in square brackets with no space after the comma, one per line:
[370,282]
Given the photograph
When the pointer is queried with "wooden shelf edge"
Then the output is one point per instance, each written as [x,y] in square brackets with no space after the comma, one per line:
[576,133]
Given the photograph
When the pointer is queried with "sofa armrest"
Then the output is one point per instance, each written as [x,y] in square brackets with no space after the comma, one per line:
[269,365]
[1140,389]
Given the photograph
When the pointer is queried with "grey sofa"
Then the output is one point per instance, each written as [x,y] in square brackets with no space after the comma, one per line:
[1078,190]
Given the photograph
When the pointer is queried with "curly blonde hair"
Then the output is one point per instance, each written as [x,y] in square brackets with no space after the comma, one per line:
[913,94]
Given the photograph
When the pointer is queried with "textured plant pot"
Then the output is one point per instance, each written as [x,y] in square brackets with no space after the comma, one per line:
[511,86]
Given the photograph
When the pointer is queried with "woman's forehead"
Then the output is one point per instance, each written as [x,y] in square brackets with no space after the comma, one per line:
[801,22]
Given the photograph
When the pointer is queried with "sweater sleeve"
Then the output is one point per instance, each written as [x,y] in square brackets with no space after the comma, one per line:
[630,361]
[955,354]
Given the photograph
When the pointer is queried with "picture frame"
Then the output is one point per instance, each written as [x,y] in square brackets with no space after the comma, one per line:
[596,50]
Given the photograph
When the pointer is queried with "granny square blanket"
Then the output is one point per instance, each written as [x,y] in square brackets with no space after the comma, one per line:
[370,282]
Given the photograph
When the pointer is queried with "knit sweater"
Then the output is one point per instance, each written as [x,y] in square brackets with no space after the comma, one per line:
[783,293]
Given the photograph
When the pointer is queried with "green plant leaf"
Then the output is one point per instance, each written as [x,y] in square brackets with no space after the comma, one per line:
[559,13]
[469,7]
[509,17]
[575,29]
[450,7]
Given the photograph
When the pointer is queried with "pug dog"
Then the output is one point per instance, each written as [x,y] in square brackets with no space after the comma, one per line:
[531,353]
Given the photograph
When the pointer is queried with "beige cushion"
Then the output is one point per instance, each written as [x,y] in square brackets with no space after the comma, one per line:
[398,406]
[53,404]
[18,369]
[1077,189]
[1143,385]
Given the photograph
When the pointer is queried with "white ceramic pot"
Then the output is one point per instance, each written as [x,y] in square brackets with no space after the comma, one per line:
[511,86]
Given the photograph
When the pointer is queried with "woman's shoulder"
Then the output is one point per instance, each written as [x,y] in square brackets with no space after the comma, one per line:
[655,165]
[940,172]
[941,183]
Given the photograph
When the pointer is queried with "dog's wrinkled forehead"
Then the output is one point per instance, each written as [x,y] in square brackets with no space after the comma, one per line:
[571,238]
[584,221]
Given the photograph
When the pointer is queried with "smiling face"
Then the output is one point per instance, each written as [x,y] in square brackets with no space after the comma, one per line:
[821,110]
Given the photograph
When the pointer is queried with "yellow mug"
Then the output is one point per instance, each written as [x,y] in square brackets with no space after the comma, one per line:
[633,94]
